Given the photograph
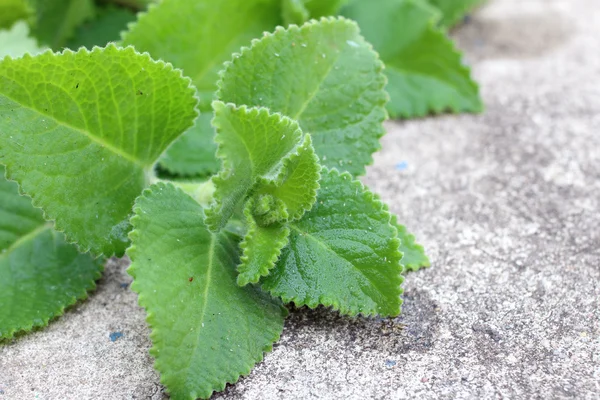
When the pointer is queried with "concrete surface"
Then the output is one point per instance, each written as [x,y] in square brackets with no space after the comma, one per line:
[507,204]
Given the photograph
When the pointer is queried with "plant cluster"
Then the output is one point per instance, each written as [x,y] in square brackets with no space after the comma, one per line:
[222,160]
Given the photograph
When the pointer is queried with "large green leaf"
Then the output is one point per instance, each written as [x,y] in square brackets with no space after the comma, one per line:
[453,11]
[425,72]
[80,133]
[55,21]
[40,274]
[206,330]
[13,10]
[325,76]
[105,27]
[16,41]
[194,153]
[343,253]
[260,149]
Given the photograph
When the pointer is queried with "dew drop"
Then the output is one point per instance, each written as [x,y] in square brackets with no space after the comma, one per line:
[276,54]
[352,43]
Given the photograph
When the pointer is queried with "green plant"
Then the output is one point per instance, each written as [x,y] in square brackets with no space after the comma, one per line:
[295,118]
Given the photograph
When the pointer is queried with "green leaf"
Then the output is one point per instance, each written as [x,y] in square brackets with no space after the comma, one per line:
[106,27]
[194,153]
[13,10]
[206,330]
[261,248]
[255,147]
[80,133]
[294,12]
[57,20]
[453,11]
[414,257]
[40,274]
[323,75]
[343,253]
[16,41]
[425,72]
[199,35]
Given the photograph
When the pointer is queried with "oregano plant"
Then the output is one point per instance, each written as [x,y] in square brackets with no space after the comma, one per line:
[219,145]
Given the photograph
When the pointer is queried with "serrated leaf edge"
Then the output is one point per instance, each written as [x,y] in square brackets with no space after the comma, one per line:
[280,30]
[287,161]
[243,278]
[213,212]
[413,267]
[88,288]
[132,270]
[58,226]
[457,55]
[394,247]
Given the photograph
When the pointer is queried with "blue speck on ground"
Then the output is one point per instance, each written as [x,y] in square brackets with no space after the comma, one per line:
[402,166]
[390,363]
[124,285]
[114,336]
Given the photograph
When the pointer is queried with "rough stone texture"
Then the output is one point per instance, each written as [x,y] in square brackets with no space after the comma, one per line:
[507,204]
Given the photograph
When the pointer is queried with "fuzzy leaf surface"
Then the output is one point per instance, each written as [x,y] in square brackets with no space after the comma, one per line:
[56,20]
[80,131]
[199,35]
[343,253]
[194,153]
[206,330]
[16,41]
[414,257]
[323,75]
[424,70]
[453,11]
[40,274]
[255,146]
[106,27]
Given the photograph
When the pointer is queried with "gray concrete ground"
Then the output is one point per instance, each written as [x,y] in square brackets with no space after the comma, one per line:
[508,205]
